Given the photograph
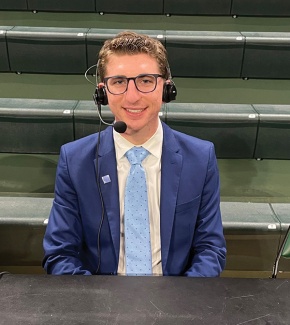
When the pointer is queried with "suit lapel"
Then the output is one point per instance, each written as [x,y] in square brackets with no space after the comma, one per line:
[109,185]
[171,163]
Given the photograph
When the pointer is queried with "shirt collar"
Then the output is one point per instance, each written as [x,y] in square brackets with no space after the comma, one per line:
[153,145]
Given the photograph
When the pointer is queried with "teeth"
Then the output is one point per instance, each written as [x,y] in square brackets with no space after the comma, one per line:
[135,110]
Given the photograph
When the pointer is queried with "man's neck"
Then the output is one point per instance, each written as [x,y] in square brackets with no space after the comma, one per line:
[141,136]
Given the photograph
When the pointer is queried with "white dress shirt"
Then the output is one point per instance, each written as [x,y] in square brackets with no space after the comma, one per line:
[152,167]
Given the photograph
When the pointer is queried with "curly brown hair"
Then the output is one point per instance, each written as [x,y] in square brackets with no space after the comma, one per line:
[129,42]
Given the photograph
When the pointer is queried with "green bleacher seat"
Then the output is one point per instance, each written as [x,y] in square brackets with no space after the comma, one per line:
[191,53]
[197,7]
[63,5]
[238,130]
[47,50]
[267,55]
[183,7]
[205,54]
[22,226]
[253,230]
[274,132]
[130,6]
[32,174]
[95,40]
[260,7]
[232,128]
[282,211]
[96,37]
[34,125]
[86,118]
[13,5]
[4,61]
[249,218]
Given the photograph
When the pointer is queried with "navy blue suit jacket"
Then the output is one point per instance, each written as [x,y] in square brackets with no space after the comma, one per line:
[192,241]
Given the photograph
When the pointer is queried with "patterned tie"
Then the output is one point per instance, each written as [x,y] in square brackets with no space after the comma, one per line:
[137,230]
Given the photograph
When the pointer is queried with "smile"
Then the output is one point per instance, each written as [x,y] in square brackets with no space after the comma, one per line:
[135,111]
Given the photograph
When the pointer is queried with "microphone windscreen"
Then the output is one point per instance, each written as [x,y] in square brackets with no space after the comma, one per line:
[120,126]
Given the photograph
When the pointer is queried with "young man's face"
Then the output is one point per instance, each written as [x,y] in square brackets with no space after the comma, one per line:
[138,110]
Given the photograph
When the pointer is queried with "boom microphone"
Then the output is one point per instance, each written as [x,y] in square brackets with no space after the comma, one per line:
[118,126]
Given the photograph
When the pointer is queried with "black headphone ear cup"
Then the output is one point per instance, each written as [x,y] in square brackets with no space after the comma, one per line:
[169,92]
[100,96]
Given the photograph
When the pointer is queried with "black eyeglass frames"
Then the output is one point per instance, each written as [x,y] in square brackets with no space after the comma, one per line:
[145,83]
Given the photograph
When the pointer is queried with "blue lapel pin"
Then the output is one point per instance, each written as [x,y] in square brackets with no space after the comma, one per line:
[106,179]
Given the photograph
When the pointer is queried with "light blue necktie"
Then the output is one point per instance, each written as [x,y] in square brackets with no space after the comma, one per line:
[137,230]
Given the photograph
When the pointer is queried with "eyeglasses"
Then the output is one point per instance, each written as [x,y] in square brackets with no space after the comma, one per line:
[145,83]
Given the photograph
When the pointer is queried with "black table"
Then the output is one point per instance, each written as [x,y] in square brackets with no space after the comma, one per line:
[40,299]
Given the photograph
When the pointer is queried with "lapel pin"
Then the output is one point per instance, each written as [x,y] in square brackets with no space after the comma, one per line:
[106,179]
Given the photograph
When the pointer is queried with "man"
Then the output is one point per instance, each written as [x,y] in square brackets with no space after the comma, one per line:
[88,229]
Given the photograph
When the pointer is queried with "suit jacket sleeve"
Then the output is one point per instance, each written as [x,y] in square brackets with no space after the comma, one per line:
[63,238]
[208,246]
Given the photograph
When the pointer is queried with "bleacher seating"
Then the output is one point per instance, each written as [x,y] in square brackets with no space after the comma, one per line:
[86,118]
[22,226]
[266,55]
[13,5]
[238,131]
[191,53]
[167,7]
[197,7]
[260,8]
[205,54]
[35,126]
[4,61]
[130,7]
[255,228]
[58,50]
[232,128]
[63,5]
[282,213]
[27,174]
[274,131]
